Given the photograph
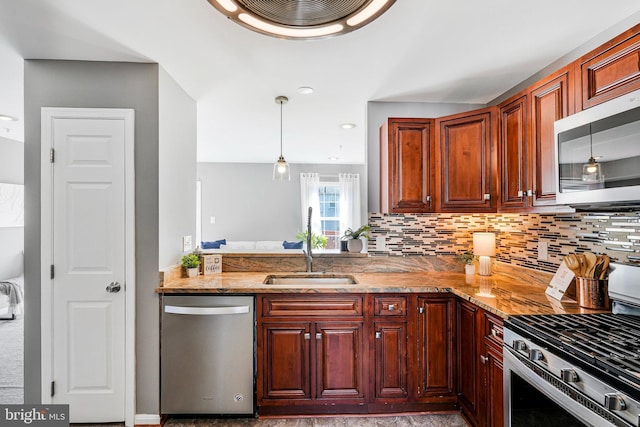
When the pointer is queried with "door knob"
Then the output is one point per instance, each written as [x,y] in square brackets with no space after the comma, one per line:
[113,287]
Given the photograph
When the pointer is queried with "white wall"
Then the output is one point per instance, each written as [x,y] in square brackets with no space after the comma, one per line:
[11,238]
[177,160]
[248,205]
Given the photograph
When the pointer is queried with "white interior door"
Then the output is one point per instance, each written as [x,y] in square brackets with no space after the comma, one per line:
[89,265]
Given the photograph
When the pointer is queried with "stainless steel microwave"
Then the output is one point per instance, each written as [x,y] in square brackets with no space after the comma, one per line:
[598,155]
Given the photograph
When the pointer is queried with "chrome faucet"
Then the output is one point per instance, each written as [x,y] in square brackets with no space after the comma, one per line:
[308,254]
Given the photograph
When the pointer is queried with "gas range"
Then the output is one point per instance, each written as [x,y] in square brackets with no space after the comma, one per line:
[586,364]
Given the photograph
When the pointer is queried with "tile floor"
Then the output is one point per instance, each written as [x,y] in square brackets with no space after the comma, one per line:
[435,420]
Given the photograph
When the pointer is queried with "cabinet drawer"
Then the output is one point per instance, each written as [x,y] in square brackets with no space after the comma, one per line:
[305,306]
[390,306]
[493,329]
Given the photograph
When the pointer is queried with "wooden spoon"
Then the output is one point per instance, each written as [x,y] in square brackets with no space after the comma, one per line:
[583,264]
[572,264]
[590,263]
[605,267]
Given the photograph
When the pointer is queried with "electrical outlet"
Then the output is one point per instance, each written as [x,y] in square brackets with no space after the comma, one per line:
[543,251]
[380,244]
[186,243]
[212,220]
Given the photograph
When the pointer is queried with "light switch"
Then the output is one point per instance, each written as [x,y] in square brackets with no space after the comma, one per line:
[212,220]
[186,243]
[543,251]
[380,244]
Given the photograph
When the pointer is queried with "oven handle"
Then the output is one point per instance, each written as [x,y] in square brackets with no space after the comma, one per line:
[206,311]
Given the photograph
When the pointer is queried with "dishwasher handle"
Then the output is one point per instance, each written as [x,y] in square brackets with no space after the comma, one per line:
[206,311]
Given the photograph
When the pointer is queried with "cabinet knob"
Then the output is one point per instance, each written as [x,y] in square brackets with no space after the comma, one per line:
[521,194]
[391,307]
[483,359]
[529,193]
[318,336]
[421,310]
[487,197]
[378,334]
[428,199]
[307,336]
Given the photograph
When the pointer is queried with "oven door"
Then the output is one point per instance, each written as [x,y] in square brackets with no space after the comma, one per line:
[530,400]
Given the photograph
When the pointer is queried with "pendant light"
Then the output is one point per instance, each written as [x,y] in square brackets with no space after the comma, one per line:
[591,169]
[281,167]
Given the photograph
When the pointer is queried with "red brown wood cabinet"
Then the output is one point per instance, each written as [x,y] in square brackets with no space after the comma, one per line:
[467,161]
[352,353]
[310,353]
[609,71]
[406,166]
[479,350]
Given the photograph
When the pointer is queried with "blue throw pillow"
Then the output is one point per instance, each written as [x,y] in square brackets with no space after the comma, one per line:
[213,244]
[292,245]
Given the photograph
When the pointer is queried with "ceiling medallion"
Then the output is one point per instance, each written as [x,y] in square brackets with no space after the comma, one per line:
[302,19]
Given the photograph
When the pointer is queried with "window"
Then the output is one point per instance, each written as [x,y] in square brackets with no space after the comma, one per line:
[329,194]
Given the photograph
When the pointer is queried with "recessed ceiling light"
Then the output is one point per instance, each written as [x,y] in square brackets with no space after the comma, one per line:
[302,19]
[347,125]
[305,90]
[6,118]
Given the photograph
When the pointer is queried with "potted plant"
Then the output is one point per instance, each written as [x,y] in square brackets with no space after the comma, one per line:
[317,241]
[354,238]
[467,258]
[191,262]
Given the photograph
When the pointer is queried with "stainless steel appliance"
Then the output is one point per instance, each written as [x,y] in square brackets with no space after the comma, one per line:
[598,154]
[207,355]
[577,369]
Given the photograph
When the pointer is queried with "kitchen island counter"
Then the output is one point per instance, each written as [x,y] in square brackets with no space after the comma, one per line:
[510,291]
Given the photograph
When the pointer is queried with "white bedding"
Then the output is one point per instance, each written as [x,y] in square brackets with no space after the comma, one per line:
[5,308]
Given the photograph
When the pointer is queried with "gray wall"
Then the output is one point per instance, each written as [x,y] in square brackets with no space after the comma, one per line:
[248,205]
[11,238]
[377,113]
[177,159]
[102,85]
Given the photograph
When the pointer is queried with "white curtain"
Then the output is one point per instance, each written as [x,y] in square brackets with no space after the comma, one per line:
[349,201]
[310,197]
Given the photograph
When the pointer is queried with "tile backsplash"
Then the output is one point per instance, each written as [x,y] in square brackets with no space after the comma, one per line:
[517,235]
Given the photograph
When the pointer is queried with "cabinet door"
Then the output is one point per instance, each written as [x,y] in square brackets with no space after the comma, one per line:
[514,156]
[493,387]
[390,360]
[284,362]
[406,165]
[610,70]
[550,100]
[339,359]
[468,360]
[467,160]
[435,346]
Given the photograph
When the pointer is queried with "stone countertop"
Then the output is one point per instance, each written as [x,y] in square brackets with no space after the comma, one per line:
[506,293]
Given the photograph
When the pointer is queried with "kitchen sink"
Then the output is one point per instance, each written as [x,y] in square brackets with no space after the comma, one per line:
[310,279]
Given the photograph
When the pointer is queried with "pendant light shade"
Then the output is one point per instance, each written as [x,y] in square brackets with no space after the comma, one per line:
[281,167]
[591,171]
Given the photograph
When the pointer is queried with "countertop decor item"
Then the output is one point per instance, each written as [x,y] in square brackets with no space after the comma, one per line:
[591,278]
[467,258]
[191,262]
[484,246]
[354,238]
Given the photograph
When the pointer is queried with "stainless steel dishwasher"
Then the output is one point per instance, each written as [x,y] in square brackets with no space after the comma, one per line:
[207,355]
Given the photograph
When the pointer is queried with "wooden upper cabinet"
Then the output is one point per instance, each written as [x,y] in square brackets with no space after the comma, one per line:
[611,70]
[550,99]
[406,166]
[467,161]
[514,154]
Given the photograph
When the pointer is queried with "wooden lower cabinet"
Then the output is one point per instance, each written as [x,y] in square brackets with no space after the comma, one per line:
[479,349]
[348,353]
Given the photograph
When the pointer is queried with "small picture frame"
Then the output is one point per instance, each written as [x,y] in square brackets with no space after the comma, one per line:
[211,264]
